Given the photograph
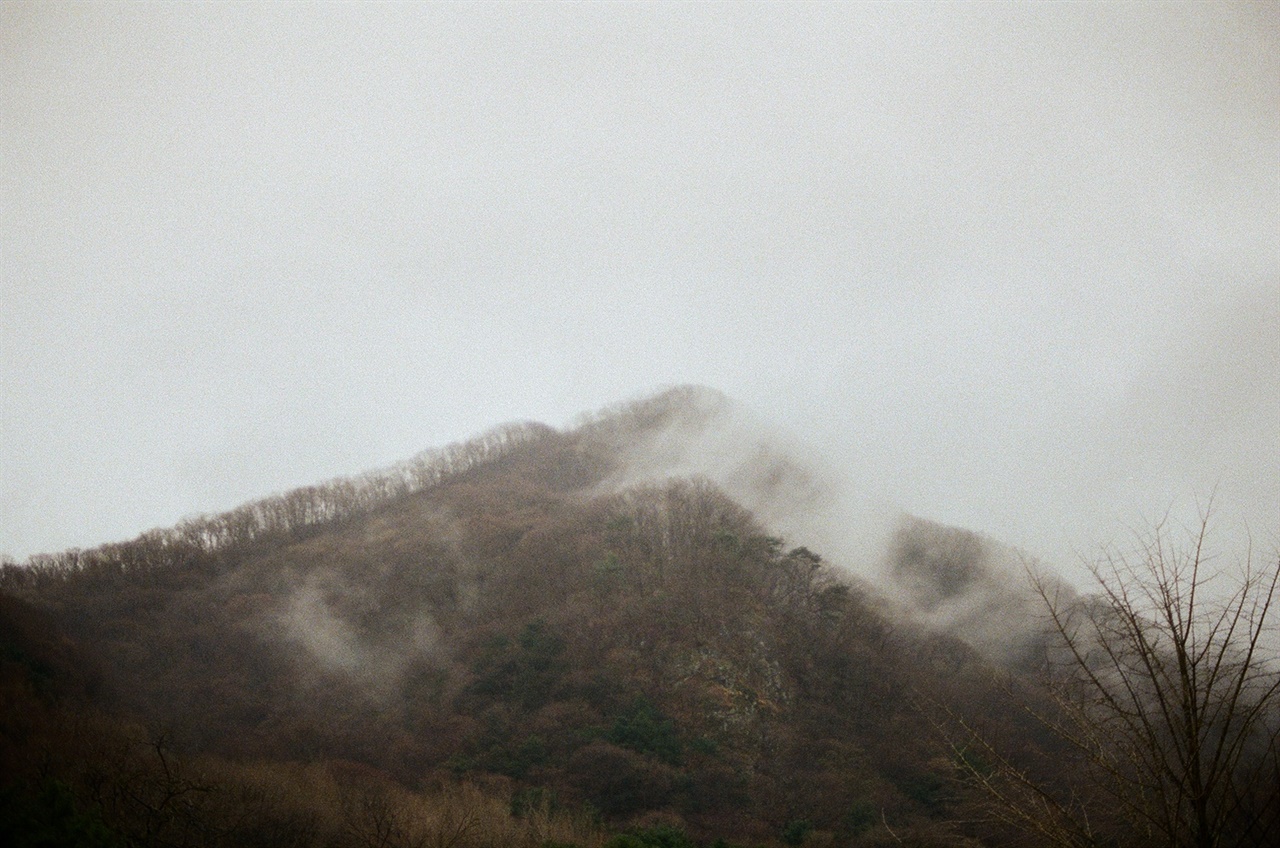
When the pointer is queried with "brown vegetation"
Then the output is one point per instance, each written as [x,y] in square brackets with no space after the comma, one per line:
[486,646]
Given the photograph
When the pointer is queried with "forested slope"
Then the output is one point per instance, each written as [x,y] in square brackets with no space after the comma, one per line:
[496,635]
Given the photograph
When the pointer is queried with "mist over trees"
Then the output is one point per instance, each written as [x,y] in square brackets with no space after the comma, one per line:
[519,641]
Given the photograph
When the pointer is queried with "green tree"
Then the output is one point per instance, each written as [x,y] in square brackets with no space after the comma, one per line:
[645,730]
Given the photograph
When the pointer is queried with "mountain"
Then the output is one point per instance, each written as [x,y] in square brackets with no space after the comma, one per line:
[564,633]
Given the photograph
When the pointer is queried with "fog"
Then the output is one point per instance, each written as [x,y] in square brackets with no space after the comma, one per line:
[1013,268]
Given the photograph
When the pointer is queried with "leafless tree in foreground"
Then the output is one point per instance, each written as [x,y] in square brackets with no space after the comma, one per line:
[1165,684]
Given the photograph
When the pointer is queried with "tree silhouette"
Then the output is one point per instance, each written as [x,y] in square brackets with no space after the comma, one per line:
[1164,684]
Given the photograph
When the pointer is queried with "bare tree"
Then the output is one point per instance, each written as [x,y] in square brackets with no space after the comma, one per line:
[1164,683]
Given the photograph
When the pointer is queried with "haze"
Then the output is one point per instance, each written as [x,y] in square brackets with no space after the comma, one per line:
[1011,267]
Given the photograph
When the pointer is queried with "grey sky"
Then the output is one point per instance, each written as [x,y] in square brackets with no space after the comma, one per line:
[1011,267]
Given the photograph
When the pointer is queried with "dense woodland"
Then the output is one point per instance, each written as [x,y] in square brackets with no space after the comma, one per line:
[495,644]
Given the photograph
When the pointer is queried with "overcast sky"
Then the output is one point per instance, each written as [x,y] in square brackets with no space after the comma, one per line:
[1014,267]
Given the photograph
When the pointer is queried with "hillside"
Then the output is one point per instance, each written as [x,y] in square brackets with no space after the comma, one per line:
[516,618]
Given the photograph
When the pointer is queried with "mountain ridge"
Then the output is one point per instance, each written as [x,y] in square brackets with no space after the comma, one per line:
[527,611]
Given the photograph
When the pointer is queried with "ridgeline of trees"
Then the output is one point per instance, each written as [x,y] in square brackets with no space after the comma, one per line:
[277,519]
[572,460]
